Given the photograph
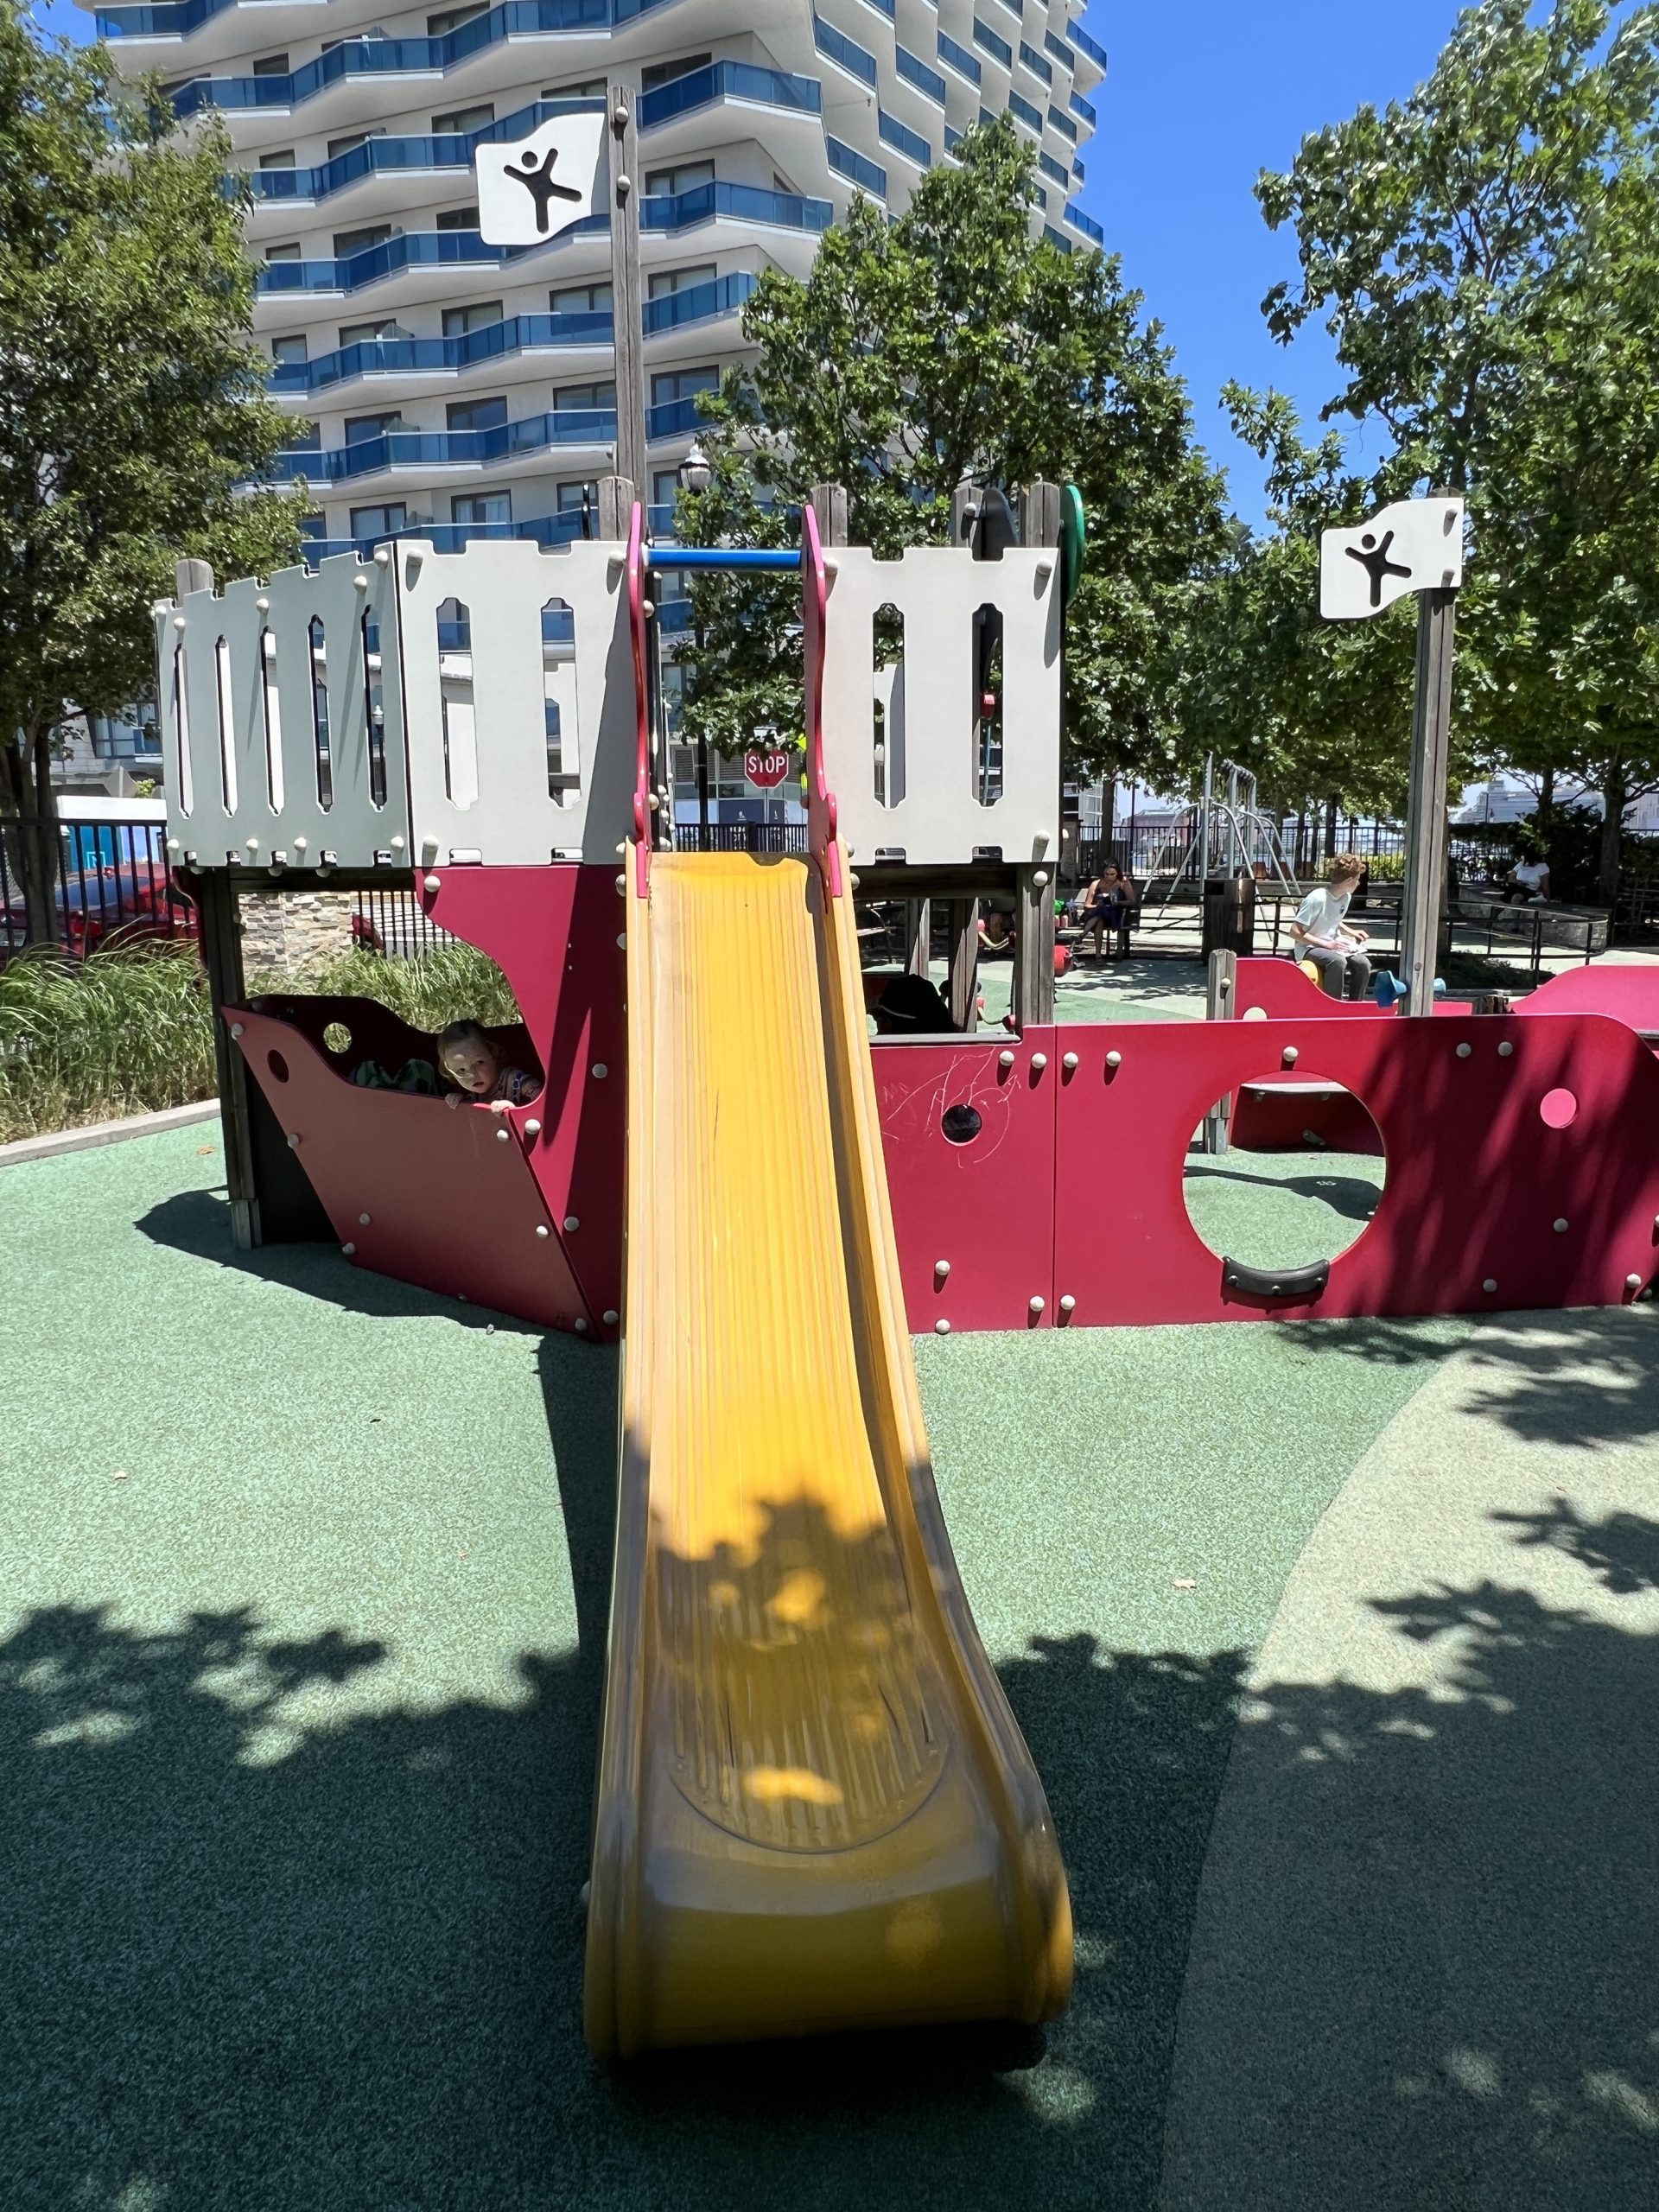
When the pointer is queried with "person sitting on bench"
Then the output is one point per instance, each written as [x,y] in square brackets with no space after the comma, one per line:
[1323,937]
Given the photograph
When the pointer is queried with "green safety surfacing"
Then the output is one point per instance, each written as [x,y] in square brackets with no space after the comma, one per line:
[303,1579]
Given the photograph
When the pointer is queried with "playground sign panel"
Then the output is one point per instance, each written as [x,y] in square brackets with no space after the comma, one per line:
[1415,545]
[539,186]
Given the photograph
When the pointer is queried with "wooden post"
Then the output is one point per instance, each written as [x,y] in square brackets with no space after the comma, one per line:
[616,496]
[919,935]
[1431,739]
[627,336]
[829,511]
[1040,514]
[1033,950]
[964,964]
[215,892]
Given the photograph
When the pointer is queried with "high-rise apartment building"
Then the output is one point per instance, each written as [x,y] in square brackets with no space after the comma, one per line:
[461,388]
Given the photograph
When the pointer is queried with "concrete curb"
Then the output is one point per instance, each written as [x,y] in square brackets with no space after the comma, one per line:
[96,1133]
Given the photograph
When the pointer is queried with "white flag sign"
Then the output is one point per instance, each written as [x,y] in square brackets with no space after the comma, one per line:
[535,188]
[1414,545]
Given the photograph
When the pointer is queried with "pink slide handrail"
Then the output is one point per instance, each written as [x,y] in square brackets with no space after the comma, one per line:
[636,564]
[821,809]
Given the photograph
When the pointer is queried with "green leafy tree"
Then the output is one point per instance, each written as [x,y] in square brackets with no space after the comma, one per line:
[133,402]
[1488,311]
[919,352]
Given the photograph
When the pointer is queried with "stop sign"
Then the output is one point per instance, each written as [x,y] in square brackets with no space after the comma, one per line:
[766,770]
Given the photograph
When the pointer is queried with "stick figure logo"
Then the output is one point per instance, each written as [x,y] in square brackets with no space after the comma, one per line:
[1374,559]
[537,181]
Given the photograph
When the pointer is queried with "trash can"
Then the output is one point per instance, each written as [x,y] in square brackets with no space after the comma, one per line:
[1229,914]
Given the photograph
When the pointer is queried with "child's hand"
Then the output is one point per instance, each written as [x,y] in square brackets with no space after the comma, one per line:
[500,1105]
[452,1099]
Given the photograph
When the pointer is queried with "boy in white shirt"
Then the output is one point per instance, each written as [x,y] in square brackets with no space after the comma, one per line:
[1322,936]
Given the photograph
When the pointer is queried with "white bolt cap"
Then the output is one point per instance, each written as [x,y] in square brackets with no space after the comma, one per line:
[542,1229]
[349,1249]
[178,621]
[1506,1049]
[396,844]
[1561,1225]
[582,1325]
[621,885]
[1632,1282]
[299,844]
[941,1328]
[1005,1059]
[1491,1284]
[432,883]
[253,844]
[381,555]
[1068,1304]
[172,845]
[1068,1062]
[1040,877]
[362,1221]
[360,583]
[1113,1059]
[1288,1057]
[263,604]
[1039,1061]
[1464,1050]
[599,1070]
[236,1029]
[293,1144]
[941,1266]
[1037,1305]
[622,942]
[503,1136]
[610,1317]
[532,1128]
[571,1224]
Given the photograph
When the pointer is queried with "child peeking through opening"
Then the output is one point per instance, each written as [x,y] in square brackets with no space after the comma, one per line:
[469,1059]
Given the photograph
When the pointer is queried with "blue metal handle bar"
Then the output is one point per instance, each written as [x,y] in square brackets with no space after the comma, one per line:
[718,557]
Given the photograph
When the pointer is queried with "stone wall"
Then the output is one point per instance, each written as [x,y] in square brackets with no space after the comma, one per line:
[290,932]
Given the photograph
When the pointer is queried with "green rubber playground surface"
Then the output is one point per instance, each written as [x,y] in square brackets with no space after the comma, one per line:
[302,1588]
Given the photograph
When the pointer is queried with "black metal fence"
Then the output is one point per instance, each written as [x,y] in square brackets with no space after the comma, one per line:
[741,837]
[395,922]
[79,885]
[1156,845]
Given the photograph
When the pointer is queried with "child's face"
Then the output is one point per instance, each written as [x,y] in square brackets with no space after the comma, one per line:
[472,1065]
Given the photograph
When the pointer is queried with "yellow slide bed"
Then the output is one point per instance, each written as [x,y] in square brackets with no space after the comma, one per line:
[816,1810]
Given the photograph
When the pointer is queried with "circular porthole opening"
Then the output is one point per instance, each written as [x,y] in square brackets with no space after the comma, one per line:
[1284,1171]
[961,1124]
[277,1066]
[337,1037]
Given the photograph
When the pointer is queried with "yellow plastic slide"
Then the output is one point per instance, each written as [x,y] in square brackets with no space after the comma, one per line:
[816,1810]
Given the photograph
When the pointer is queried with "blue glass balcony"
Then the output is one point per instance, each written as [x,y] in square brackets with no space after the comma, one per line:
[1061,52]
[1051,167]
[1079,106]
[837,47]
[1084,44]
[698,302]
[1030,116]
[394,356]
[1062,123]
[449,152]
[998,48]
[1035,63]
[903,139]
[960,59]
[1086,224]
[917,73]
[1052,237]
[743,203]
[846,161]
[519,19]
[730,80]
[567,426]
[452,538]
[415,250]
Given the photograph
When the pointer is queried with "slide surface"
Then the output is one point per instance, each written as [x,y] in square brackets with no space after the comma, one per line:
[816,1811]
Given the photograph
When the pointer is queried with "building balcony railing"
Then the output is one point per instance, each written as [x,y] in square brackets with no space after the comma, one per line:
[1084,44]
[837,47]
[858,168]
[452,537]
[743,203]
[404,57]
[517,333]
[960,59]
[1061,52]
[903,139]
[1082,108]
[730,80]
[429,449]
[1062,123]
[413,250]
[450,151]
[519,19]
[1086,224]
[916,72]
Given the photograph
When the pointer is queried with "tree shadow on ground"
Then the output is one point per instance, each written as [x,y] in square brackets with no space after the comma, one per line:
[255,1962]
[1425,1964]
[1584,1378]
[1347,1195]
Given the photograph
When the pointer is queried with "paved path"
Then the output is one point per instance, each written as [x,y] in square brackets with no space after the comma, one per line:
[1425,1967]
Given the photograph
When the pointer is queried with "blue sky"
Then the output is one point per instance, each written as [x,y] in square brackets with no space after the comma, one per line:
[1201,95]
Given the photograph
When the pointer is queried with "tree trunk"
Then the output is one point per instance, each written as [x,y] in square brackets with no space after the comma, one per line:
[1546,814]
[1612,826]
[29,807]
[1332,826]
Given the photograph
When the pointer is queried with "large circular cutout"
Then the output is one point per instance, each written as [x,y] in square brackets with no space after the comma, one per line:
[961,1124]
[1284,1171]
[277,1066]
